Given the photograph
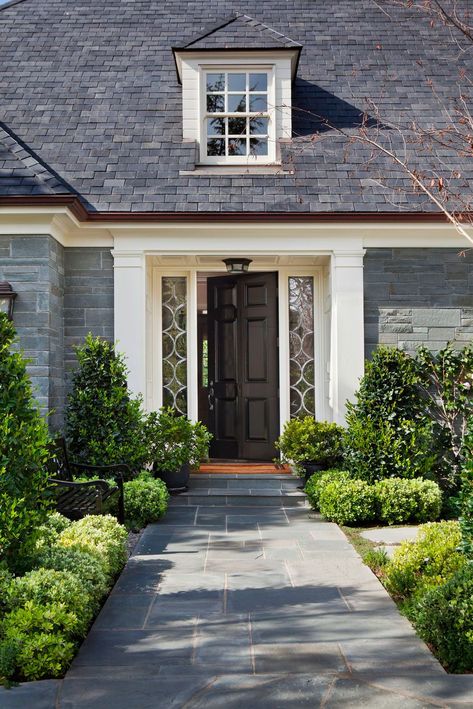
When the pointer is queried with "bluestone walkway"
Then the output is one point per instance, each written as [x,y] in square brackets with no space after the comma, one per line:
[231,601]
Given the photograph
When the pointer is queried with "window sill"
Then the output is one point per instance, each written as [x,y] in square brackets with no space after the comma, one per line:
[236,170]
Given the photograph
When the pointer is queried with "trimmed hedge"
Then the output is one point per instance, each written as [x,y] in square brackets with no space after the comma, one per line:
[392,501]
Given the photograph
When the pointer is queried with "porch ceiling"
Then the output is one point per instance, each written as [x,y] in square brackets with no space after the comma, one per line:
[214,262]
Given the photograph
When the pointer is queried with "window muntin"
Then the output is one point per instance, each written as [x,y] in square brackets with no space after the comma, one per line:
[237,121]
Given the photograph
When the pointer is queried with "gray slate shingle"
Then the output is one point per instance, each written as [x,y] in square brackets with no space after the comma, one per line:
[91,89]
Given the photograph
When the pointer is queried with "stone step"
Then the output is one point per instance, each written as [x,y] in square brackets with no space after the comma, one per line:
[214,497]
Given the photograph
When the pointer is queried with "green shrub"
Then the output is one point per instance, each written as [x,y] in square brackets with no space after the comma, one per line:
[347,501]
[101,536]
[173,440]
[36,641]
[46,587]
[376,450]
[85,565]
[426,562]
[444,618]
[446,380]
[104,424]
[146,500]
[318,481]
[305,439]
[399,501]
[6,579]
[23,453]
[49,531]
[376,559]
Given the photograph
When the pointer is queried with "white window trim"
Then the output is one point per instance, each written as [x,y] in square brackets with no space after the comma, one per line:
[272,156]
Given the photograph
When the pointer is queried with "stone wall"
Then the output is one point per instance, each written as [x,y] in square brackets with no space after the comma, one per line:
[418,297]
[88,298]
[34,265]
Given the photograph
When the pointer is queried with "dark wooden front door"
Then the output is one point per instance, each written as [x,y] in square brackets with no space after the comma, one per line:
[243,365]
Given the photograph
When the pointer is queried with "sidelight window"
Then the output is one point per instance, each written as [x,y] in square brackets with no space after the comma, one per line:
[174,342]
[301,346]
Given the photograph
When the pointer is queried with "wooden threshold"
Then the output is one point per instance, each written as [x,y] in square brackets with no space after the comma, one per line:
[243,468]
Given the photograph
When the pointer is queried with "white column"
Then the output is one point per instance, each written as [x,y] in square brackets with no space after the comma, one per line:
[347,329]
[130,315]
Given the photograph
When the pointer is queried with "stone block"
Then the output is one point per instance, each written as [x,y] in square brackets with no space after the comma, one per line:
[441,333]
[436,317]
[31,247]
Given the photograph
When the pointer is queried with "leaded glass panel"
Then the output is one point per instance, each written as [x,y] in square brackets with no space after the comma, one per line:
[301,346]
[174,341]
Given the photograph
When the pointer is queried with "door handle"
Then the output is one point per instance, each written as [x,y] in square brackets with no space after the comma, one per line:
[211,396]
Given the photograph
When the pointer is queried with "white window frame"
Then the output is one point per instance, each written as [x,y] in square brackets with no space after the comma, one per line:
[268,159]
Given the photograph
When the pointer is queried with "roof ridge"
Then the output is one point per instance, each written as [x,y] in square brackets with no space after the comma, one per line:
[30,160]
[10,3]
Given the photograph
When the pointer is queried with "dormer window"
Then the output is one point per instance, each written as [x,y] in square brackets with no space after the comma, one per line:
[236,92]
[237,117]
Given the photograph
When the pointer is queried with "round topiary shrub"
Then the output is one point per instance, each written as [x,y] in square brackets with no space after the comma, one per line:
[146,500]
[348,501]
[85,565]
[49,587]
[399,500]
[101,536]
[426,562]
[444,619]
[318,481]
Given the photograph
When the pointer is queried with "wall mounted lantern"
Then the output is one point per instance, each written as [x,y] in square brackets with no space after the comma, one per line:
[7,299]
[237,265]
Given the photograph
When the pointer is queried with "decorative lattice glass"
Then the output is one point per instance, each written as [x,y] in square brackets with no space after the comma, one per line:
[174,339]
[301,345]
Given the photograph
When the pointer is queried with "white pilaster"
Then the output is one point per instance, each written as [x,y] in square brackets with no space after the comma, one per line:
[347,329]
[130,315]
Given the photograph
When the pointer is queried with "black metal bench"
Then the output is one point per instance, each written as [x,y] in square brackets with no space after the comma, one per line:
[77,499]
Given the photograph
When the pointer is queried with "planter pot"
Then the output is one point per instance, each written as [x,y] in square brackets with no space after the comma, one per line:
[175,480]
[310,467]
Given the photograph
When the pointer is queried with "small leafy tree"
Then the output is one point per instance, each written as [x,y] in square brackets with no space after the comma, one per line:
[388,434]
[23,453]
[104,423]
[446,383]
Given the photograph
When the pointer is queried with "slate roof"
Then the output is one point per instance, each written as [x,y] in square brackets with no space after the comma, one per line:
[91,89]
[240,32]
[21,173]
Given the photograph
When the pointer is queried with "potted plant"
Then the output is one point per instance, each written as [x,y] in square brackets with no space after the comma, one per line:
[175,446]
[310,445]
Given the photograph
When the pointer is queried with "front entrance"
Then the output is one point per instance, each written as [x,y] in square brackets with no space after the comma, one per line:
[243,365]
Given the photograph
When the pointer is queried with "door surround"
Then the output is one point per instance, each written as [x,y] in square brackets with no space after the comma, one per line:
[321,344]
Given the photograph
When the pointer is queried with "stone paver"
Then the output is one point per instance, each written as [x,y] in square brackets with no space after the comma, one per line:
[389,538]
[236,606]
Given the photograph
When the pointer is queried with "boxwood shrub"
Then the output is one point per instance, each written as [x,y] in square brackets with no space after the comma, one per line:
[318,481]
[83,564]
[146,500]
[101,536]
[444,618]
[348,501]
[399,500]
[417,566]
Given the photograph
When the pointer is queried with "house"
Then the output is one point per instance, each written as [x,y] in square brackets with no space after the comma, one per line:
[161,184]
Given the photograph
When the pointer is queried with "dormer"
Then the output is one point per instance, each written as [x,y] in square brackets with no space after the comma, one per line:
[236,91]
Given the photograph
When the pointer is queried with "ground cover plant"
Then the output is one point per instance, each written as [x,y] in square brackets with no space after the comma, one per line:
[46,612]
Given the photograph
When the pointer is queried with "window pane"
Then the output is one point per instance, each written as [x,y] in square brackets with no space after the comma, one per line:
[236,146]
[236,103]
[174,341]
[258,146]
[258,82]
[216,146]
[259,126]
[258,102]
[236,126]
[216,126]
[301,345]
[237,82]
[215,103]
[215,82]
